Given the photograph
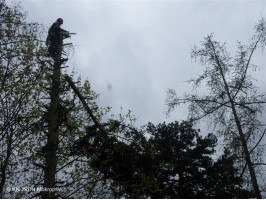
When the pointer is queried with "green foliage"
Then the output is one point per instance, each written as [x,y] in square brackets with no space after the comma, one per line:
[187,169]
[175,162]
[20,72]
[24,88]
[74,174]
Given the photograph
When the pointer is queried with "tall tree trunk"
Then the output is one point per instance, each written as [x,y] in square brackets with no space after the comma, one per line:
[240,131]
[53,130]
[247,154]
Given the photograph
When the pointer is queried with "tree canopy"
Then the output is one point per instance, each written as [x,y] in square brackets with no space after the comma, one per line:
[50,146]
[175,162]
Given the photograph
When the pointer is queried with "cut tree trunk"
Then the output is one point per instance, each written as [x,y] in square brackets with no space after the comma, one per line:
[53,131]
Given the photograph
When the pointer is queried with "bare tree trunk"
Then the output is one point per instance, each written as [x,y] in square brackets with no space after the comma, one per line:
[240,131]
[53,130]
[247,154]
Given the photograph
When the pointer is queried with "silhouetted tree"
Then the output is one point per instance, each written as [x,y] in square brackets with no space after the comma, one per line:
[233,102]
[186,168]
[174,163]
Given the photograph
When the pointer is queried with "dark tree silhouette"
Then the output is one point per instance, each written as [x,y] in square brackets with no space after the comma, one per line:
[174,163]
[233,102]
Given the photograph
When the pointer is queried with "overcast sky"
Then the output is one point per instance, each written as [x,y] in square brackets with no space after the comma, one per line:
[132,51]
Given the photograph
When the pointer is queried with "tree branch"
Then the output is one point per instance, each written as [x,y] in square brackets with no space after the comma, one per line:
[258,141]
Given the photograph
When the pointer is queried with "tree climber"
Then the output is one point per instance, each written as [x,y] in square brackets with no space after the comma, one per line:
[55,33]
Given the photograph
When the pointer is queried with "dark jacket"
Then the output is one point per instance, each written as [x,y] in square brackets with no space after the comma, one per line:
[55,29]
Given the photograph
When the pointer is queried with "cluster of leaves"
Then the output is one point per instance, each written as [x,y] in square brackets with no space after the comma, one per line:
[175,162]
[24,97]
[74,175]
[20,70]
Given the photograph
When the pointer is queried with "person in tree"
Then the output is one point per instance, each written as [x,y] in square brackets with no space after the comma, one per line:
[54,35]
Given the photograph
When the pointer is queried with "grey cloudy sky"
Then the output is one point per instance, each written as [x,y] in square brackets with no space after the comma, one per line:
[132,51]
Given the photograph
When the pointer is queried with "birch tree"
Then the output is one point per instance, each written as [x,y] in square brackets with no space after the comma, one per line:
[233,103]
[20,69]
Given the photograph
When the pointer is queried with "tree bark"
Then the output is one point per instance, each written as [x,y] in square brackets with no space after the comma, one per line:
[53,130]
